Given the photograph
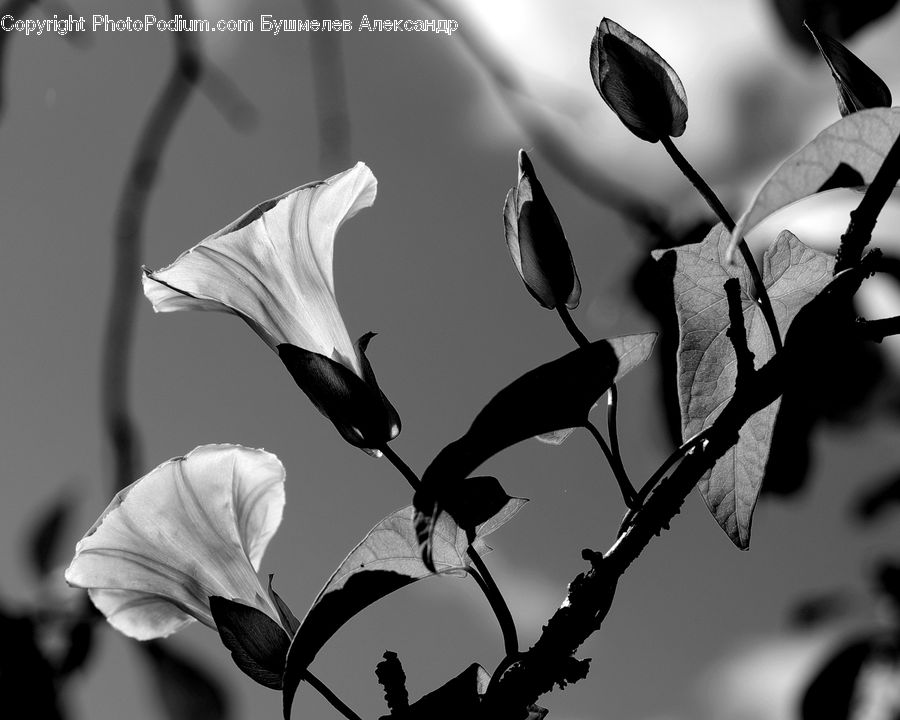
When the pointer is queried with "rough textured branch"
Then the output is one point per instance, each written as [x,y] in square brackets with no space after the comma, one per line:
[550,660]
[864,217]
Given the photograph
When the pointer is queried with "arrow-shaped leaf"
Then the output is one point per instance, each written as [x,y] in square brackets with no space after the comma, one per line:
[552,397]
[386,560]
[859,141]
[792,274]
[858,86]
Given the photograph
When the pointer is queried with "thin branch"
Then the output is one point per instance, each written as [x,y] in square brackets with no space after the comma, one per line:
[329,88]
[865,216]
[737,333]
[129,222]
[718,208]
[332,699]
[878,330]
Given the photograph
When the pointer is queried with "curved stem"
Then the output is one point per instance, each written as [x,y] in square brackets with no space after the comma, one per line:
[718,208]
[676,455]
[332,699]
[579,336]
[404,469]
[628,491]
[498,604]
[482,575]
[612,425]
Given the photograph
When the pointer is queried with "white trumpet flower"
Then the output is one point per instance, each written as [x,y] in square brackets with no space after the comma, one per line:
[195,527]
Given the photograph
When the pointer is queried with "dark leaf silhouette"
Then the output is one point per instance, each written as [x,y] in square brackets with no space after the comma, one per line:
[554,396]
[839,18]
[792,274]
[185,689]
[830,694]
[858,86]
[257,643]
[386,560]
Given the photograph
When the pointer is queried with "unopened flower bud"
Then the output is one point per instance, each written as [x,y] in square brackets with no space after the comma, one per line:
[537,242]
[639,86]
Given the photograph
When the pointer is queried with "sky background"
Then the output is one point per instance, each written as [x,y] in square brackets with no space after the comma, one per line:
[696,626]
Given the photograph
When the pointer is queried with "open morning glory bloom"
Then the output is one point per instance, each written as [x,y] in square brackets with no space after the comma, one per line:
[273,268]
[195,527]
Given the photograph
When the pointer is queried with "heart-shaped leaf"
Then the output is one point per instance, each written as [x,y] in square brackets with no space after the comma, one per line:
[386,560]
[792,274]
[257,643]
[552,397]
[860,141]
[858,86]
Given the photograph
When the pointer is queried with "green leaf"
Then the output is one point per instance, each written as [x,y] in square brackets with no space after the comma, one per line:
[860,141]
[257,643]
[386,560]
[858,86]
[792,274]
[550,398]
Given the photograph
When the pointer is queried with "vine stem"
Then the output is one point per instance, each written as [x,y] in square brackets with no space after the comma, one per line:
[718,208]
[482,575]
[405,470]
[628,491]
[573,329]
[332,699]
[611,451]
[498,604]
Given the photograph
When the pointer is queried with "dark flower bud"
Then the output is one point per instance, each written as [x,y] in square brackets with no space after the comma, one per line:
[639,86]
[858,86]
[355,405]
[537,242]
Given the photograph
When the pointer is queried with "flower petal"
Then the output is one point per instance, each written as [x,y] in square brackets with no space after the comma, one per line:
[273,267]
[195,526]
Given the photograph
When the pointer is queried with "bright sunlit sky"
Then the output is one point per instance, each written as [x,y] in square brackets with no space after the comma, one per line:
[427,268]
